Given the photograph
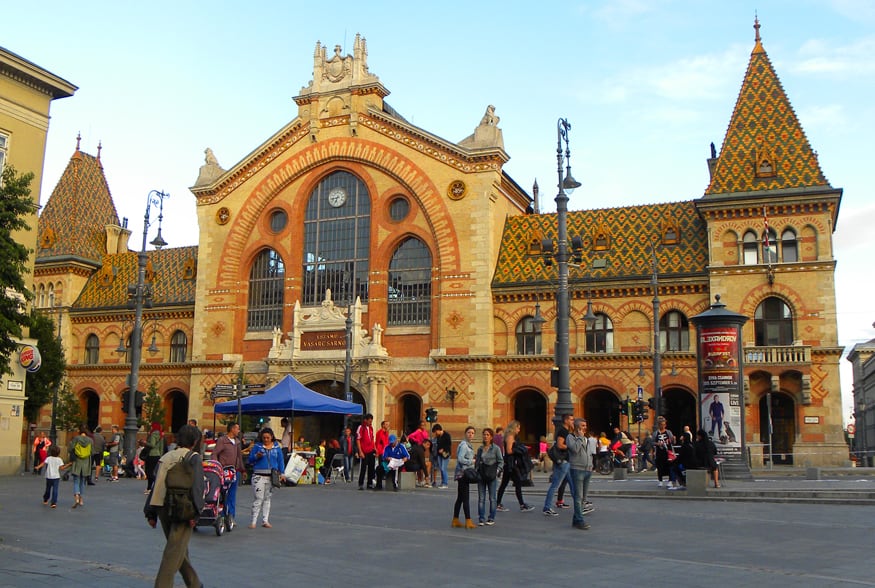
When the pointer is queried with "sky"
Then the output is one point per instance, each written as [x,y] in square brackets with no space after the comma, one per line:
[647,85]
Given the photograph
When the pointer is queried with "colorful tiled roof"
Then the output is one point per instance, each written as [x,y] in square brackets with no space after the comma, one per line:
[765,147]
[626,231]
[73,222]
[171,272]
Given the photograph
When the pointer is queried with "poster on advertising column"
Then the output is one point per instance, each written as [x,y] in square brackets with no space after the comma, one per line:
[720,394]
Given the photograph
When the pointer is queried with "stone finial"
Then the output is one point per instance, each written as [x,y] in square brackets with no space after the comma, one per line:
[487,134]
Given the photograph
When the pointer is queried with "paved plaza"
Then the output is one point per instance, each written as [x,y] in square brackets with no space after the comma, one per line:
[337,536]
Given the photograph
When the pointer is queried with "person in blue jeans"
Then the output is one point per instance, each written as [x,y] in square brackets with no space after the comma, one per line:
[561,467]
[489,460]
[580,451]
[444,445]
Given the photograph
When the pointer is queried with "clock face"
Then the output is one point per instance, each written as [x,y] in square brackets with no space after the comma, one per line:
[337,197]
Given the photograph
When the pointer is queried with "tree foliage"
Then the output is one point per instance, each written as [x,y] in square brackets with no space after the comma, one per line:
[153,406]
[69,414]
[15,204]
[42,384]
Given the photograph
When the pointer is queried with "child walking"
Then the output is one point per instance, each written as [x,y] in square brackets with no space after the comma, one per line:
[53,464]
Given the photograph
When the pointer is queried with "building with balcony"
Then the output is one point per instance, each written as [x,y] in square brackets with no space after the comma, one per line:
[435,253]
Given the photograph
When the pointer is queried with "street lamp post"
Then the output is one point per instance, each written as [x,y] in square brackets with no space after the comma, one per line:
[657,357]
[563,308]
[862,442]
[141,294]
[53,431]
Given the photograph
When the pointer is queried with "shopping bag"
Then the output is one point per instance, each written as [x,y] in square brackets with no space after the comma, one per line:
[295,468]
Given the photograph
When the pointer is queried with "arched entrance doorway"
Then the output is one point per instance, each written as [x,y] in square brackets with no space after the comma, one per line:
[316,427]
[601,409]
[783,427]
[530,409]
[411,412]
[680,410]
[92,408]
[177,404]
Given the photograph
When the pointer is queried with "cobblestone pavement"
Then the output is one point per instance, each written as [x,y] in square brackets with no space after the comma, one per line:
[336,536]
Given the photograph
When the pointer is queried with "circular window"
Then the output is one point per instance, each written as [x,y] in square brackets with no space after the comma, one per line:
[278,220]
[399,208]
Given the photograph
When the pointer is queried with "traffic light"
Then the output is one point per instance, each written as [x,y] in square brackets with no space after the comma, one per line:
[125,401]
[138,403]
[651,403]
[431,415]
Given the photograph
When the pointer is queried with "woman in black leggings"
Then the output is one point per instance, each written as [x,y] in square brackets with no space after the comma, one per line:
[510,471]
[464,460]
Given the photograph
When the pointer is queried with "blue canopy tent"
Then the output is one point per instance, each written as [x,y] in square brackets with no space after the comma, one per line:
[289,396]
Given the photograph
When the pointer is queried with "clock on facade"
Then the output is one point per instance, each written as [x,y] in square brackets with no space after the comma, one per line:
[337,197]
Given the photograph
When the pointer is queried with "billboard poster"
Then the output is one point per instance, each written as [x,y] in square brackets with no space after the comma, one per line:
[720,394]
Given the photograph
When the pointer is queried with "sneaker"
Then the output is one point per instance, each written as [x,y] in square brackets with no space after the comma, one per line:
[587,503]
[490,522]
[442,487]
[54,505]
[361,487]
[581,526]
[587,510]
[481,523]
[549,512]
[562,505]
[502,508]
[659,484]
[527,508]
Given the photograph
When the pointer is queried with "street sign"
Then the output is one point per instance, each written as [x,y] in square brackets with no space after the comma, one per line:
[640,393]
[253,386]
[851,429]
[224,388]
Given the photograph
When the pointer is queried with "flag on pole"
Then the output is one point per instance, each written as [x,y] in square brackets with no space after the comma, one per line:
[767,248]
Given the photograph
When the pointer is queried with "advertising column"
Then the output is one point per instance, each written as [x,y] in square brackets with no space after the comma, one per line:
[721,382]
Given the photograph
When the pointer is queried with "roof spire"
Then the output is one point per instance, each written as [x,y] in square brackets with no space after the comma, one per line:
[78,140]
[758,45]
[99,147]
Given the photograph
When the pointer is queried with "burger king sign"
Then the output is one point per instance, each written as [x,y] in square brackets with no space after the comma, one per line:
[30,358]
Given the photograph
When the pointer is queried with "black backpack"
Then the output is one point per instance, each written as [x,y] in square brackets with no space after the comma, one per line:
[178,500]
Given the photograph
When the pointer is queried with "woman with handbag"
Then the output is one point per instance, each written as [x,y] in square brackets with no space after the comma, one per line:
[464,474]
[511,471]
[490,463]
[266,458]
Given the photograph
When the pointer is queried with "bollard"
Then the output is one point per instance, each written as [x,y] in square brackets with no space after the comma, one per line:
[619,473]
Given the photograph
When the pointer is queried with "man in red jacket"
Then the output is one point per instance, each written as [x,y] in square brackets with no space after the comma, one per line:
[366,450]
[381,443]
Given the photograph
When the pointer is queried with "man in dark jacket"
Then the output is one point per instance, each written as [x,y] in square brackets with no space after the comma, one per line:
[178,534]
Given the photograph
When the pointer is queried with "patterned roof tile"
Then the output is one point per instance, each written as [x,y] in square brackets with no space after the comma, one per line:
[765,147]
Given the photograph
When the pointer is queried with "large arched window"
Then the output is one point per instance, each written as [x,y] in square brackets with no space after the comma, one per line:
[674,332]
[92,349]
[266,279]
[773,323]
[178,347]
[789,247]
[751,248]
[410,284]
[528,337]
[337,234]
[600,338]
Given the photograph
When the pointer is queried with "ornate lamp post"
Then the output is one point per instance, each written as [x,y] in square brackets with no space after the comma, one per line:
[141,295]
[566,185]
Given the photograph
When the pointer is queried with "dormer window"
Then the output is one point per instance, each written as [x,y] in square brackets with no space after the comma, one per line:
[766,166]
[670,234]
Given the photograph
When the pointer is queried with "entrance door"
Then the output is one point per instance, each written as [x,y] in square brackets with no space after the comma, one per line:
[680,410]
[530,409]
[601,409]
[783,428]
[92,409]
[178,409]
[411,413]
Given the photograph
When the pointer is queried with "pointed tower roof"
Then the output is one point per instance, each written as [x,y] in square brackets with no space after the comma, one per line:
[73,222]
[765,147]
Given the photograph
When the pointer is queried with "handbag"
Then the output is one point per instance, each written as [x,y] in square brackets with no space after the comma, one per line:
[671,454]
[471,475]
[488,471]
[275,478]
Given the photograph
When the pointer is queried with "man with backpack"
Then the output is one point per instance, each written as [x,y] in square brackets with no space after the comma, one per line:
[558,453]
[176,499]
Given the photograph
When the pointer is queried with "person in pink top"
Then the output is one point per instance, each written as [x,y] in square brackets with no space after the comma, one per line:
[419,435]
[366,449]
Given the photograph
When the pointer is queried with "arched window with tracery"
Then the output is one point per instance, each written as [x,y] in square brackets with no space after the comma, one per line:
[337,236]
[178,347]
[528,337]
[410,284]
[266,278]
[789,246]
[92,349]
[600,337]
[674,332]
[773,323]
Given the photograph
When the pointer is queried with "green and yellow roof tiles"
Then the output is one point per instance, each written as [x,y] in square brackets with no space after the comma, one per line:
[171,273]
[764,125]
[616,238]
[73,222]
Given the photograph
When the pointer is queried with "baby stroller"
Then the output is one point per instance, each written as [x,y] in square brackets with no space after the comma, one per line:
[216,483]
